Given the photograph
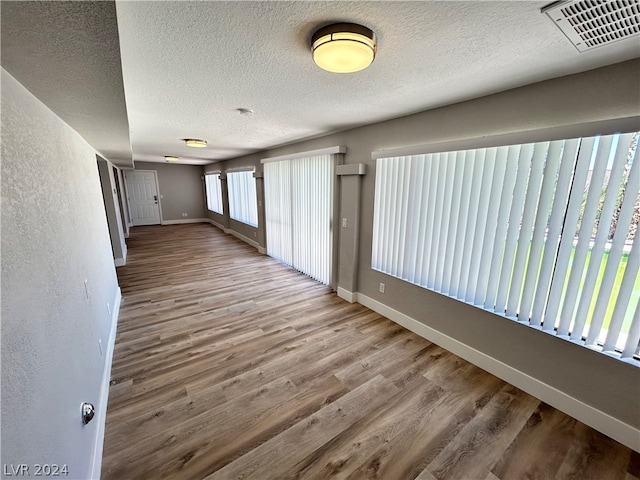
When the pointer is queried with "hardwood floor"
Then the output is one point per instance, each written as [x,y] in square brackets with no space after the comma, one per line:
[229,365]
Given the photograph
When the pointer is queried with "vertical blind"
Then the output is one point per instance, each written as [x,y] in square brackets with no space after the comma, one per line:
[243,205]
[542,233]
[214,192]
[298,212]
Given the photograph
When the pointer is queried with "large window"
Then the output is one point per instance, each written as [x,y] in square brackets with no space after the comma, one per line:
[298,209]
[541,233]
[243,205]
[214,192]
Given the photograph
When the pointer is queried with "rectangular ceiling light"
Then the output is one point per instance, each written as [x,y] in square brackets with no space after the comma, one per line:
[592,23]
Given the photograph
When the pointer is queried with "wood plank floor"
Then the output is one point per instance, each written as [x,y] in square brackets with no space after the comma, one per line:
[229,365]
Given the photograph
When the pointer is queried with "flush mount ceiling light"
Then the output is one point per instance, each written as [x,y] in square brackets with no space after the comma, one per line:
[169,158]
[195,142]
[343,47]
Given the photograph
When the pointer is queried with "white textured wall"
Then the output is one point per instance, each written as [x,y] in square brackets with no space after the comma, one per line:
[54,236]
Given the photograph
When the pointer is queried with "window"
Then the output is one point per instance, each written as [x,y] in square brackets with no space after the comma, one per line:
[299,211]
[214,192]
[243,205]
[541,233]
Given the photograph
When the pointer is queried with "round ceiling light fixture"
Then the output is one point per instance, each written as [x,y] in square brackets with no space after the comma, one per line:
[195,142]
[343,47]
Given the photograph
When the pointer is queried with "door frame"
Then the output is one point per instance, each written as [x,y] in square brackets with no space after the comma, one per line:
[155,176]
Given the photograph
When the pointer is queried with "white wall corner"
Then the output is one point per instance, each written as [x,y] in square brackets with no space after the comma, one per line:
[601,421]
[119,262]
[96,464]
[346,295]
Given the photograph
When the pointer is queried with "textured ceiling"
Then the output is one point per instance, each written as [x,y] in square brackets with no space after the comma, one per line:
[188,66]
[67,54]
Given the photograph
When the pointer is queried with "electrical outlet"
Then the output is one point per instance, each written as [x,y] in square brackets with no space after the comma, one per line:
[255,234]
[344,223]
[381,288]
[184,214]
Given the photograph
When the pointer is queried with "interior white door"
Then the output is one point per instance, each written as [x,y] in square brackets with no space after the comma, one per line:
[142,189]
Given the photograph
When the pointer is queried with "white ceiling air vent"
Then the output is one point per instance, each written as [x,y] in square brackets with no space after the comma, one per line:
[592,23]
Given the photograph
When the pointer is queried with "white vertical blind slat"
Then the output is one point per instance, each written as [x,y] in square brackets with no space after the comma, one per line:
[406,224]
[524,238]
[624,296]
[513,228]
[446,216]
[506,195]
[413,223]
[584,235]
[539,230]
[392,196]
[441,167]
[556,218]
[634,335]
[452,231]
[615,253]
[599,244]
[461,231]
[487,166]
[378,215]
[430,196]
[472,218]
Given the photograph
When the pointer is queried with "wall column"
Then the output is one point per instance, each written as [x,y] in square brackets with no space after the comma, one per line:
[349,224]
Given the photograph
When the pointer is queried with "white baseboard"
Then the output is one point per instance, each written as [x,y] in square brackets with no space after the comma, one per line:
[601,421]
[347,295]
[186,220]
[216,224]
[101,409]
[239,236]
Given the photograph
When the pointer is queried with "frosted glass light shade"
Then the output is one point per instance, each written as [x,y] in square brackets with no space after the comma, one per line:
[343,47]
[195,142]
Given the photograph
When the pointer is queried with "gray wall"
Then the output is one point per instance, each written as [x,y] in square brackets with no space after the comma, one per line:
[181,188]
[604,94]
[54,237]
